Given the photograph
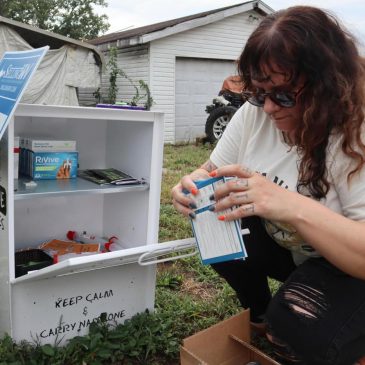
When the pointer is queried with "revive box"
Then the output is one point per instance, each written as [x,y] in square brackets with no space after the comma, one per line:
[53,165]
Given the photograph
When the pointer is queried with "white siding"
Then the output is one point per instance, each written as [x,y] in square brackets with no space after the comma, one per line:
[134,61]
[220,40]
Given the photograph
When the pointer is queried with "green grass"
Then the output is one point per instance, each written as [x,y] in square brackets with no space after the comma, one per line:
[189,298]
[178,161]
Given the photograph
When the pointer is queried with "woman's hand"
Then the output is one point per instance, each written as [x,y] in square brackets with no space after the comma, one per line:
[251,194]
[182,202]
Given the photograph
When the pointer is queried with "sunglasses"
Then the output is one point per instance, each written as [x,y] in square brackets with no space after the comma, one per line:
[285,99]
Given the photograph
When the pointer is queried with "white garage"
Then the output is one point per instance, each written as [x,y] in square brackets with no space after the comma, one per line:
[197,82]
[184,61]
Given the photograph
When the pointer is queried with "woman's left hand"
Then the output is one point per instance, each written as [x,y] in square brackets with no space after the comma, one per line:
[250,193]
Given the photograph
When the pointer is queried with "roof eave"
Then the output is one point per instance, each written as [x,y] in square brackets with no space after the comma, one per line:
[204,21]
[147,37]
[262,7]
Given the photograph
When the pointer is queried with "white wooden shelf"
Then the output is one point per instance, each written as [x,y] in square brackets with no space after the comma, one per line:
[49,188]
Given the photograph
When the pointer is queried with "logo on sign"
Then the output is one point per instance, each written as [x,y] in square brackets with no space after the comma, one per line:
[2,200]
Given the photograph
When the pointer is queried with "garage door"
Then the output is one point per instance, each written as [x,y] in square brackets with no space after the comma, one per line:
[197,82]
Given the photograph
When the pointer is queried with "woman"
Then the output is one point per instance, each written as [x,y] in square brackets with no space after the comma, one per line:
[297,151]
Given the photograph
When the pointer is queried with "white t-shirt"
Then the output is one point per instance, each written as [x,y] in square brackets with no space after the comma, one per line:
[251,139]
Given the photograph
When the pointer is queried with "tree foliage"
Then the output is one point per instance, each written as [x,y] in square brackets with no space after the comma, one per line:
[72,18]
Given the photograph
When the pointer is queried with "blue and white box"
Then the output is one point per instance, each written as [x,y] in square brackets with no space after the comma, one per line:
[53,165]
[217,240]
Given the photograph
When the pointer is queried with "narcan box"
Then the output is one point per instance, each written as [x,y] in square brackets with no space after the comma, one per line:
[53,165]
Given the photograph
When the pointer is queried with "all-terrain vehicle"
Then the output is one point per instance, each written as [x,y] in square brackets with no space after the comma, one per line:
[227,102]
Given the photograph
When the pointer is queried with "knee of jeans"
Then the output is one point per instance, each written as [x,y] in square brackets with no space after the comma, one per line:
[294,314]
[305,303]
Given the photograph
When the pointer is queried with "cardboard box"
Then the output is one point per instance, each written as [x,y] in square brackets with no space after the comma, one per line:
[226,343]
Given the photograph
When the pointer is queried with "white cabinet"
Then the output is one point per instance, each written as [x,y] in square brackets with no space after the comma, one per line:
[60,301]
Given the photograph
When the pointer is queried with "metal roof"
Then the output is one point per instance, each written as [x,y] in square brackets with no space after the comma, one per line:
[258,6]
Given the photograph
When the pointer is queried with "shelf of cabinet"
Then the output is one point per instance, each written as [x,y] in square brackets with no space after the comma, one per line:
[49,188]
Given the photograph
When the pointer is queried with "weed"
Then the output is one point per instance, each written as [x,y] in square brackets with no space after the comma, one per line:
[168,280]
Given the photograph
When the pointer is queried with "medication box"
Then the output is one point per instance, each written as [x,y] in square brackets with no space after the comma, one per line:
[46,145]
[53,165]
[217,241]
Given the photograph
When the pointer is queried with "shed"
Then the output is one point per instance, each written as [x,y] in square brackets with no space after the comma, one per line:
[67,66]
[184,61]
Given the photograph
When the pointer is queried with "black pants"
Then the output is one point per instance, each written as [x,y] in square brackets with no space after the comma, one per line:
[319,311]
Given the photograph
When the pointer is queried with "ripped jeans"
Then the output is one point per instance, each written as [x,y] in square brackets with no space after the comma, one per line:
[318,311]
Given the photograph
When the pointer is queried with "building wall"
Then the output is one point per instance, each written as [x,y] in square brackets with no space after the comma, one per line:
[134,62]
[223,40]
[155,62]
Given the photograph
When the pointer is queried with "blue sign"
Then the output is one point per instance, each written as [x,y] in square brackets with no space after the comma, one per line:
[16,70]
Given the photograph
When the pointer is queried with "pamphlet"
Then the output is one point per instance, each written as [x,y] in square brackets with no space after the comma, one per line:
[16,70]
[217,240]
[109,176]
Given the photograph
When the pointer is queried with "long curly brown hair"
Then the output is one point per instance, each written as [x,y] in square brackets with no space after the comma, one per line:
[309,42]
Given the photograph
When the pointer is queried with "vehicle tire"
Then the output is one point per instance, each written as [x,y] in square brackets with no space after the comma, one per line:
[217,122]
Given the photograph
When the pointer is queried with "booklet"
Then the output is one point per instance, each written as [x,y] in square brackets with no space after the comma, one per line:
[109,176]
[217,240]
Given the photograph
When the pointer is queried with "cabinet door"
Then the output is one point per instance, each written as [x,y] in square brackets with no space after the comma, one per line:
[143,254]
[60,302]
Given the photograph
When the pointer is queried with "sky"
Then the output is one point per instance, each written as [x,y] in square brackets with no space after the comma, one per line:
[128,14]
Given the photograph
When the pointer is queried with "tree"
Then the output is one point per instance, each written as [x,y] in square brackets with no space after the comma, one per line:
[71,18]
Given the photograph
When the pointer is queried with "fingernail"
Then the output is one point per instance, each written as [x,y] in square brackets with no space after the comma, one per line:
[222,218]
[211,197]
[192,205]
[194,191]
[212,208]
[213,173]
[192,215]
